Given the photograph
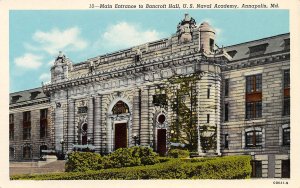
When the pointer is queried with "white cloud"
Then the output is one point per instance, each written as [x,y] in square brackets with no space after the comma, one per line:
[50,63]
[123,35]
[45,77]
[29,61]
[58,40]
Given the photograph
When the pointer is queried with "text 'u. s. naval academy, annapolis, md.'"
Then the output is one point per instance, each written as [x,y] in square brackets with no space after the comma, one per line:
[184,6]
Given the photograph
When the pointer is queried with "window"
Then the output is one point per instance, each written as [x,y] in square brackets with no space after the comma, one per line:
[253,138]
[258,50]
[226,87]
[287,44]
[256,169]
[285,168]
[26,125]
[26,152]
[82,109]
[226,141]
[208,93]
[43,122]
[253,96]
[160,99]
[11,127]
[232,53]
[207,121]
[226,112]
[120,108]
[211,44]
[286,92]
[286,136]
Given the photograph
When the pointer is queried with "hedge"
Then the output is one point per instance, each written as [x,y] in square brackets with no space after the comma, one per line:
[178,153]
[123,157]
[229,167]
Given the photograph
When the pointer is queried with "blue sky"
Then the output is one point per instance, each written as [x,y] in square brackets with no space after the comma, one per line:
[36,37]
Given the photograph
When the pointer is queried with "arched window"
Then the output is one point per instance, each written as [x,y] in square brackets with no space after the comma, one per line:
[26,152]
[120,108]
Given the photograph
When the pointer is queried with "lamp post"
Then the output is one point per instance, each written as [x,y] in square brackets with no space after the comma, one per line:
[135,137]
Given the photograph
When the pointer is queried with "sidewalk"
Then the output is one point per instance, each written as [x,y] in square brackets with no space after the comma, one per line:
[57,166]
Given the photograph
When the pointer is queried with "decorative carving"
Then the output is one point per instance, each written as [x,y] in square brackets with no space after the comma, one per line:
[184,29]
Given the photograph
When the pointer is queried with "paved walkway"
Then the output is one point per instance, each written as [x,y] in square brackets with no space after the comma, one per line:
[57,166]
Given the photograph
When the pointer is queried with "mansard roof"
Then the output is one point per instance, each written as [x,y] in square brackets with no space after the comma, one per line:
[272,45]
[27,95]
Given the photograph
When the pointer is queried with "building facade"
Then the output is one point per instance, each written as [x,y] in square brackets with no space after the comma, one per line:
[182,89]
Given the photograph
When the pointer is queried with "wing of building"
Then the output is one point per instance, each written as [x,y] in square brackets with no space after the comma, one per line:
[183,90]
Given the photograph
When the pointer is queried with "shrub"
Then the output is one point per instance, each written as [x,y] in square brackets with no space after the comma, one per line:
[135,156]
[229,167]
[178,153]
[83,161]
[123,157]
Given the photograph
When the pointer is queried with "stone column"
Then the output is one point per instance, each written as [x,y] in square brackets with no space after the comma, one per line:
[135,114]
[97,124]
[144,129]
[218,111]
[90,120]
[58,124]
[199,148]
[71,124]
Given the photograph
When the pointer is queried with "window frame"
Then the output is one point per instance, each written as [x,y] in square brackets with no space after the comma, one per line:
[27,125]
[255,164]
[286,93]
[256,139]
[253,96]
[286,136]
[11,127]
[43,123]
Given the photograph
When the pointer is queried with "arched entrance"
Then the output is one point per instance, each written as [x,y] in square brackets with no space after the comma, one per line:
[120,127]
[161,141]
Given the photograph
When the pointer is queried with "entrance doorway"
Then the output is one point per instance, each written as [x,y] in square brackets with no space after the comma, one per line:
[161,142]
[120,135]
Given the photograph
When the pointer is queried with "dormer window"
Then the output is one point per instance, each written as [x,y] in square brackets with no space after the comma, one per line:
[232,53]
[287,44]
[34,94]
[14,99]
[258,50]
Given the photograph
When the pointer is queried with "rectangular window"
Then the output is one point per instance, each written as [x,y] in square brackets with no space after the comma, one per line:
[226,87]
[256,169]
[253,139]
[160,99]
[285,168]
[253,96]
[286,136]
[286,92]
[257,50]
[11,127]
[26,125]
[207,118]
[226,112]
[287,44]
[43,122]
[208,93]
[226,141]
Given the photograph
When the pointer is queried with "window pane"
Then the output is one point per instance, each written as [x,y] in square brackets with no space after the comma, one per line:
[286,106]
[286,78]
[258,110]
[249,84]
[258,138]
[249,139]
[249,110]
[258,82]
[286,136]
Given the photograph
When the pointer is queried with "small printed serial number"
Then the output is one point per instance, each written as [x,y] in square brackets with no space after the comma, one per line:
[281,182]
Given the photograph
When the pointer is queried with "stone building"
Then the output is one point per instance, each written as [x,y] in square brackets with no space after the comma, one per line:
[183,89]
